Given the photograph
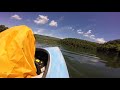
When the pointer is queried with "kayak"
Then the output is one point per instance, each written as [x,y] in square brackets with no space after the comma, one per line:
[55,65]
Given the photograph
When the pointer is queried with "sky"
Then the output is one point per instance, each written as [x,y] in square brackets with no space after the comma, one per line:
[97,27]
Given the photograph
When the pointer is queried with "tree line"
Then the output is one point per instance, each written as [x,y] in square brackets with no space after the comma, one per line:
[111,47]
[3,27]
[77,43]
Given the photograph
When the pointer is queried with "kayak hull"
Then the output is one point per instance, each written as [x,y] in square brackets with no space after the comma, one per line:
[57,66]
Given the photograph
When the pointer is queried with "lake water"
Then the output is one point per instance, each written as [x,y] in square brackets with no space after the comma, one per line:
[85,64]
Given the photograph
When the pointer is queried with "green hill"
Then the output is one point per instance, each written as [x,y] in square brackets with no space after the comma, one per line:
[78,43]
[117,41]
[46,39]
[71,42]
[110,47]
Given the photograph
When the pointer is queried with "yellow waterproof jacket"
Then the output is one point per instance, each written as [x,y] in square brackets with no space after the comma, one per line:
[17,51]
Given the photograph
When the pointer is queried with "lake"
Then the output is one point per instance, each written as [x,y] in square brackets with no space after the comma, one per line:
[83,63]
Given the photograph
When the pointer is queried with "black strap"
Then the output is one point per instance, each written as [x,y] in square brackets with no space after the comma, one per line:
[38,67]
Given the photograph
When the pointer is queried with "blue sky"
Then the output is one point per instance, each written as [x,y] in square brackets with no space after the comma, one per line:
[93,26]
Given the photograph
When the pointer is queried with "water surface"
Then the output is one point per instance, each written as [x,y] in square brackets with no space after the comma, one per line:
[89,64]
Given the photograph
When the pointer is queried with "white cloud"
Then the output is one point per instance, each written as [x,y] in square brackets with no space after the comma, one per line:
[73,29]
[41,19]
[100,40]
[86,35]
[92,36]
[42,31]
[80,31]
[39,31]
[17,17]
[88,32]
[53,23]
[70,27]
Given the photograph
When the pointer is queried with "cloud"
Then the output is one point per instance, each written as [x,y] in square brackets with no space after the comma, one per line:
[88,32]
[70,27]
[53,23]
[41,19]
[42,31]
[92,36]
[66,29]
[89,35]
[80,31]
[39,31]
[17,17]
[86,35]
[100,40]
[73,29]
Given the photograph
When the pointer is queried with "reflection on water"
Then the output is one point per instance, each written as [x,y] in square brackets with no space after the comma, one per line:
[111,60]
[83,63]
